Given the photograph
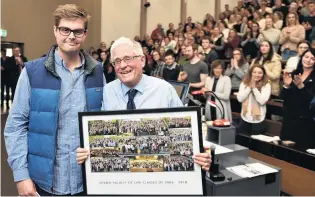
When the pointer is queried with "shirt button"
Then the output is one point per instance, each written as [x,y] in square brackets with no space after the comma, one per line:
[73,120]
[73,105]
[72,137]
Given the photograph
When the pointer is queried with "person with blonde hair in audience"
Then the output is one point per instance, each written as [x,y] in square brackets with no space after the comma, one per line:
[278,20]
[292,62]
[221,86]
[291,35]
[271,62]
[254,92]
[258,17]
[297,94]
[270,34]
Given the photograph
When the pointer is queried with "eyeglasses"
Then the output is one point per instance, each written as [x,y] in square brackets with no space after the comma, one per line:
[236,54]
[65,31]
[126,59]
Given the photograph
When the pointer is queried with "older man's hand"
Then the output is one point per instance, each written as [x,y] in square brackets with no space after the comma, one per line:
[203,159]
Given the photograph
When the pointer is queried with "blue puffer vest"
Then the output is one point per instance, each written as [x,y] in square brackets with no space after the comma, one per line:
[44,107]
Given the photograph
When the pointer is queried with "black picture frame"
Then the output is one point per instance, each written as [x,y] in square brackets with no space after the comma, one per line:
[180,110]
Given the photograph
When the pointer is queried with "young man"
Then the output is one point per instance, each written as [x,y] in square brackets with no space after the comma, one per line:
[134,90]
[42,131]
[210,55]
[195,71]
[170,70]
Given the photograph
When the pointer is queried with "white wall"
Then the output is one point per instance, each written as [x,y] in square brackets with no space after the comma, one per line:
[120,18]
[164,12]
[232,4]
[198,9]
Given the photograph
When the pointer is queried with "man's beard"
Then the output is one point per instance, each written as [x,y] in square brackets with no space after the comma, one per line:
[189,57]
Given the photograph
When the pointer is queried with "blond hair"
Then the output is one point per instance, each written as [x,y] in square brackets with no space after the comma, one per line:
[70,12]
[297,22]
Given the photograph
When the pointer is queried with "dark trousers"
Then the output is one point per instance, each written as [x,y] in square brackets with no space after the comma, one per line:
[5,87]
[12,86]
[250,128]
[44,193]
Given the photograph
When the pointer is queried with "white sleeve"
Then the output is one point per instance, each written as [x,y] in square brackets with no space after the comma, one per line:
[243,92]
[263,96]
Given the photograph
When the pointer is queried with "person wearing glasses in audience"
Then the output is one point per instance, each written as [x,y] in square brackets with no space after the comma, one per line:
[292,62]
[134,90]
[42,130]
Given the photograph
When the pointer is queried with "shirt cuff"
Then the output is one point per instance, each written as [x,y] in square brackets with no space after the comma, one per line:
[21,174]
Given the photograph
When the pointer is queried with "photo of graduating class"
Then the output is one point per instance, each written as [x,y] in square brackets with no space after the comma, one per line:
[143,127]
[180,135]
[183,122]
[127,145]
[110,164]
[101,141]
[146,164]
[129,127]
[102,127]
[178,163]
[181,148]
[153,145]
[105,152]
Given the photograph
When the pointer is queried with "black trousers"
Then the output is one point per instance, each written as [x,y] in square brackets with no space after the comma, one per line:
[44,193]
[5,87]
[251,128]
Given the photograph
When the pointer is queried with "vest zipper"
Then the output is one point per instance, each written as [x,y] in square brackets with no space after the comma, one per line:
[52,182]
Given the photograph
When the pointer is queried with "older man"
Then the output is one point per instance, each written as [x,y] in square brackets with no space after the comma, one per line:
[134,90]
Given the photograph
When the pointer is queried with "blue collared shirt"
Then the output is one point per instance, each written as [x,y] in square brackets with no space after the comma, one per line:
[67,173]
[152,93]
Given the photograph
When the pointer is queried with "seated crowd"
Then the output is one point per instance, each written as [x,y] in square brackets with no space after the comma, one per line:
[256,51]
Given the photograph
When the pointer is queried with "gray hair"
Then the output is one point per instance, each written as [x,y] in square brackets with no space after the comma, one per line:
[137,49]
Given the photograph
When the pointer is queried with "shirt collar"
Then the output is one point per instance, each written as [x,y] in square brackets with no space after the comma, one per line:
[139,87]
[59,61]
[173,66]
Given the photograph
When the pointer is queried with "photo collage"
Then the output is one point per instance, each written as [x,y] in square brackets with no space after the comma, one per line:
[141,145]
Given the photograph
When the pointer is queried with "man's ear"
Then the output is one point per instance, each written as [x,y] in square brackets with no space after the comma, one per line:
[143,61]
[55,30]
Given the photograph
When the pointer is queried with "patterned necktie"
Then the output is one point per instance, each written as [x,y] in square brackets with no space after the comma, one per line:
[131,95]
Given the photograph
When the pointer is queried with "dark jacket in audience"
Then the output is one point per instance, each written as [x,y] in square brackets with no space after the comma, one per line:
[298,125]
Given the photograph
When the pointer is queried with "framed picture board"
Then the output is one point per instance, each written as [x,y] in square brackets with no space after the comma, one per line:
[142,152]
